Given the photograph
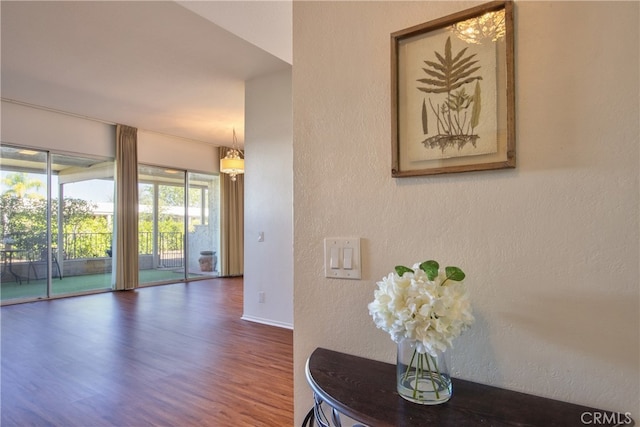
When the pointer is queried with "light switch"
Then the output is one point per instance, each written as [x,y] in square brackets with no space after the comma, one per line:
[348,258]
[335,256]
[342,258]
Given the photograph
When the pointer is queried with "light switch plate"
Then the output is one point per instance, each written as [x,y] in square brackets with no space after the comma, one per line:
[339,244]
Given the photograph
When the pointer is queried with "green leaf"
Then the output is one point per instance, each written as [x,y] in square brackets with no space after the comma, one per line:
[454,273]
[430,268]
[401,269]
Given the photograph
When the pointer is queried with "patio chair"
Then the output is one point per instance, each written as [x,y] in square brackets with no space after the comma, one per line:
[39,257]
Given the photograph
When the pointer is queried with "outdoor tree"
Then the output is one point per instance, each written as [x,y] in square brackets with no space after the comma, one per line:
[20,185]
[24,215]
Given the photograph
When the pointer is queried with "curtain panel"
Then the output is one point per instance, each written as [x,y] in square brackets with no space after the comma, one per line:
[125,244]
[231,223]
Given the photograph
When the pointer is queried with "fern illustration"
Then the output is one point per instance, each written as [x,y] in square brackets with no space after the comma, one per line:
[448,74]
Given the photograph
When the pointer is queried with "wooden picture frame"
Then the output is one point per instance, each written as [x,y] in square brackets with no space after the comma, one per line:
[452,93]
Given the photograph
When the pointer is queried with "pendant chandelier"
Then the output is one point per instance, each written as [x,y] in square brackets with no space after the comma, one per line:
[233,163]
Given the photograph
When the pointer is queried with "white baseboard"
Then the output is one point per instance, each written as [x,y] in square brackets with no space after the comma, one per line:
[267,322]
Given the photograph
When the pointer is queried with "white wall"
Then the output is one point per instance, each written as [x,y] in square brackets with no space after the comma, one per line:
[164,150]
[34,127]
[268,200]
[50,130]
[550,249]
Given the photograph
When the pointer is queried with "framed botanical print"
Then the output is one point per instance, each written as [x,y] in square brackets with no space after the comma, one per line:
[452,93]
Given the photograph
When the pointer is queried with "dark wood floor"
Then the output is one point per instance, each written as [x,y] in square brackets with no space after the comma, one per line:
[173,355]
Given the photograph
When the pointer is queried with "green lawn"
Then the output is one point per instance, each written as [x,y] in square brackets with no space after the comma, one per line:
[78,284]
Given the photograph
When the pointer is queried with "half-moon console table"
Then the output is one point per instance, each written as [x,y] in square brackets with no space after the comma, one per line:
[365,390]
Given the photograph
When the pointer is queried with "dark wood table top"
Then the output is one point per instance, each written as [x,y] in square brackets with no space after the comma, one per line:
[365,390]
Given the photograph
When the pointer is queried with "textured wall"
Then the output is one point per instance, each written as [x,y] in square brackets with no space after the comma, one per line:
[268,200]
[550,249]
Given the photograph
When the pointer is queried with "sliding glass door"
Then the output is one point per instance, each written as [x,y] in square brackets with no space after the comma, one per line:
[203,224]
[57,213]
[81,223]
[57,216]
[161,224]
[24,211]
[178,225]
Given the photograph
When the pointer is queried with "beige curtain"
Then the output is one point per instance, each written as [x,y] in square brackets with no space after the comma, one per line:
[125,246]
[231,223]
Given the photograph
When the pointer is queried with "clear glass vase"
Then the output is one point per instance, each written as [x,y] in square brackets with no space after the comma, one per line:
[422,378]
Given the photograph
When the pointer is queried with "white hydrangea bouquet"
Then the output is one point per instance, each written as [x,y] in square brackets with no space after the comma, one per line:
[428,307]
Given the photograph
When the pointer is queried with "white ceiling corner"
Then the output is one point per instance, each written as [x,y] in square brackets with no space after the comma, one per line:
[268,24]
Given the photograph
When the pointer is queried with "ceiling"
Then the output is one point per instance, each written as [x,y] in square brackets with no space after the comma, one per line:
[176,68]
